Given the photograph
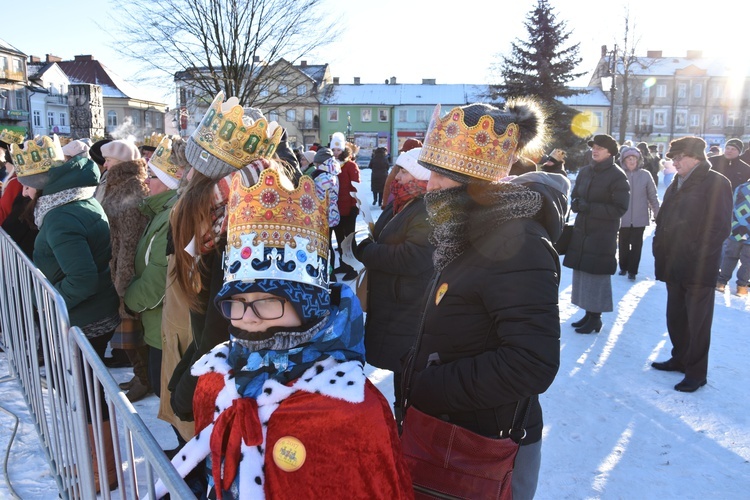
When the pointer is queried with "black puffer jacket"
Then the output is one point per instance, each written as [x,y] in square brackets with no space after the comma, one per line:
[737,171]
[491,335]
[399,266]
[600,197]
[691,227]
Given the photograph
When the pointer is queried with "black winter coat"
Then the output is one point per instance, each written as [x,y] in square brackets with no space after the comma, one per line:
[737,171]
[399,267]
[691,227]
[379,166]
[600,197]
[491,335]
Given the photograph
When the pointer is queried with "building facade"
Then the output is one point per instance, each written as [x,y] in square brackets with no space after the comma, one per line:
[14,110]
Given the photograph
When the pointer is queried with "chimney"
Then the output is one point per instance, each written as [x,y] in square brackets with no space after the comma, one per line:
[694,54]
[604,51]
[356,80]
[34,59]
[256,59]
[86,57]
[50,58]
[303,64]
[653,54]
[393,80]
[335,80]
[428,81]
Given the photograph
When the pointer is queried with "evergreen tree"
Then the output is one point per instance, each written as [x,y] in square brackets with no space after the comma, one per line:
[542,67]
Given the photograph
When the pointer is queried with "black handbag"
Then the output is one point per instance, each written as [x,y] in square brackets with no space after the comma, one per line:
[562,243]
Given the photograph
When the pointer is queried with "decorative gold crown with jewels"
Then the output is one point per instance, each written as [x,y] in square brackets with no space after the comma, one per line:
[236,139]
[153,140]
[38,155]
[276,233]
[11,136]
[476,151]
[162,157]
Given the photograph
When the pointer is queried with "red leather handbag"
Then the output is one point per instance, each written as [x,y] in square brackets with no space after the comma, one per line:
[449,462]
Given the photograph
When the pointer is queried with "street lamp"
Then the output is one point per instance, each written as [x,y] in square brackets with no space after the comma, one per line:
[610,80]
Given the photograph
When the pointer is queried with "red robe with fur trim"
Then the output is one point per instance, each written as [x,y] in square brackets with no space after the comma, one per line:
[343,422]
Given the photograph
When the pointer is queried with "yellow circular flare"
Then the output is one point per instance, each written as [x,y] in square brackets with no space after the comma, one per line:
[584,124]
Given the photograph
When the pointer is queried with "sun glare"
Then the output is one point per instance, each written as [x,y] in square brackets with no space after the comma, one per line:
[650,82]
[584,124]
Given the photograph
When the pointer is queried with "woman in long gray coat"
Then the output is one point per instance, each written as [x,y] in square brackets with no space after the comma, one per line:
[599,198]
[643,203]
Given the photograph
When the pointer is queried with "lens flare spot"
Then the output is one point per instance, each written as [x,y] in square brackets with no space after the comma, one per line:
[584,124]
[650,82]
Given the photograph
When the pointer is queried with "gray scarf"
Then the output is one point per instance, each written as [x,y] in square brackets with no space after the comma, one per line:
[46,202]
[463,213]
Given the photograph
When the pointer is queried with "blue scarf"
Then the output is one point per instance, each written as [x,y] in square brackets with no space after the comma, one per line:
[339,335]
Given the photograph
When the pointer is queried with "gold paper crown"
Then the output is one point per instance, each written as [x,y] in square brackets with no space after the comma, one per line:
[38,155]
[11,136]
[153,140]
[226,133]
[162,158]
[276,233]
[476,151]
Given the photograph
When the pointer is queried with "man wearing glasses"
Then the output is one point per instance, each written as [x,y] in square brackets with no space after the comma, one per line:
[693,222]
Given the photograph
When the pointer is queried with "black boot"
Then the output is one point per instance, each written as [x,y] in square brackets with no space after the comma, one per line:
[581,321]
[594,324]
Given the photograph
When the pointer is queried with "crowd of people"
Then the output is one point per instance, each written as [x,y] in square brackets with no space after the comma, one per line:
[210,269]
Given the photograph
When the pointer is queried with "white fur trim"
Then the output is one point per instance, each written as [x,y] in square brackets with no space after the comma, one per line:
[215,360]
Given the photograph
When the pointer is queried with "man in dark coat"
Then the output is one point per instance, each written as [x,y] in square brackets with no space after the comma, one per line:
[693,222]
[730,165]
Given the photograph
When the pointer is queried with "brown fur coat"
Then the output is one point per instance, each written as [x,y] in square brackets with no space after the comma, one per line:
[126,189]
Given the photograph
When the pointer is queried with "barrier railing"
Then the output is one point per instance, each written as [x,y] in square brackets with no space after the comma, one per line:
[35,332]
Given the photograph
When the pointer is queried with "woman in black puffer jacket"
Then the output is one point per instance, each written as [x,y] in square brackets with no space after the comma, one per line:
[600,197]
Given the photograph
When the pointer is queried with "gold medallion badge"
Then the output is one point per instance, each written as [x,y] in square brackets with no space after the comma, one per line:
[440,293]
[289,453]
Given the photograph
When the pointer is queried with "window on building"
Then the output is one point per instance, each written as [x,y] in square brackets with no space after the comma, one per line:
[660,118]
[680,119]
[20,100]
[50,119]
[366,114]
[597,117]
[3,63]
[283,89]
[402,116]
[302,89]
[63,120]
[383,114]
[111,118]
[333,114]
[695,120]
[682,90]
[17,65]
[37,118]
[136,116]
[291,115]
[731,119]
[148,119]
[421,116]
[264,91]
[661,91]
[747,120]
[716,120]
[273,116]
[716,91]
[645,92]
[697,90]
[644,117]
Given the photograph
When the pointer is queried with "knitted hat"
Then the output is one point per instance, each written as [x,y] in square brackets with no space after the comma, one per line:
[478,142]
[410,144]
[309,156]
[605,141]
[74,148]
[691,146]
[121,150]
[630,151]
[321,155]
[409,161]
[338,141]
[735,143]
[96,151]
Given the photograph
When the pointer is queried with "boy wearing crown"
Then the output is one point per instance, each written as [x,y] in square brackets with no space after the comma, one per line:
[284,406]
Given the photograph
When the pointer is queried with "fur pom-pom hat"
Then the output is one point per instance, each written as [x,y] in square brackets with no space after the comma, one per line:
[478,142]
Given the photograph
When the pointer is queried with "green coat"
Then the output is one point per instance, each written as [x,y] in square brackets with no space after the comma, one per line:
[73,248]
[145,294]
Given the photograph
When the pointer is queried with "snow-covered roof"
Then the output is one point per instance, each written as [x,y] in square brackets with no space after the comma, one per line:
[668,66]
[10,48]
[594,97]
[86,69]
[403,94]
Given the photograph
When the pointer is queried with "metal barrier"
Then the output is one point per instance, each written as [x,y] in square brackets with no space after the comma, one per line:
[34,322]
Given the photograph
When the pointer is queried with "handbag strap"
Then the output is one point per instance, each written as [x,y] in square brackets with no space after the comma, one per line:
[517,432]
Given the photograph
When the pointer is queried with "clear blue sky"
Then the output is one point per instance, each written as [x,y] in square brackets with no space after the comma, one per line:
[415,39]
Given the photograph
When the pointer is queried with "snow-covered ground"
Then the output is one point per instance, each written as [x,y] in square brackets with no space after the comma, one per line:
[614,427]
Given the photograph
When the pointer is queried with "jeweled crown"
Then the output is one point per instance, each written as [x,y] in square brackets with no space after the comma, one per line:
[162,157]
[477,151]
[275,232]
[153,140]
[38,155]
[11,136]
[233,137]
